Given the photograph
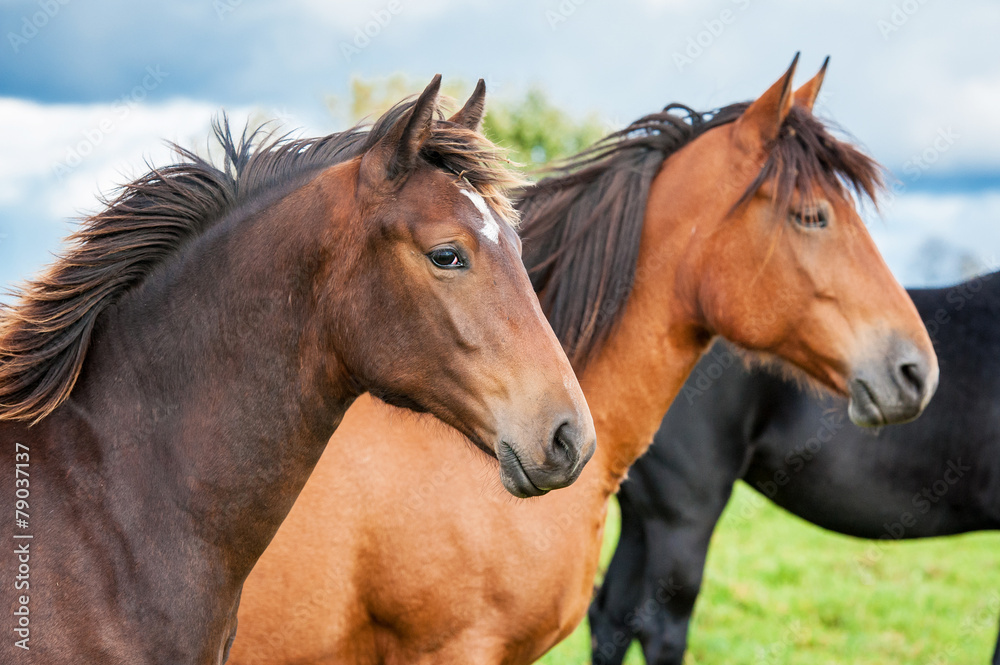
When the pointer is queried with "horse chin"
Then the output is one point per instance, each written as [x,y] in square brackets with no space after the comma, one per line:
[863,408]
[872,405]
[513,475]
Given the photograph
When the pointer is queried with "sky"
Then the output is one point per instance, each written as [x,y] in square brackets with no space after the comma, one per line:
[90,91]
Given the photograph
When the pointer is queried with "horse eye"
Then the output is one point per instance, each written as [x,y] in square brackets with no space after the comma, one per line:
[812,219]
[446,258]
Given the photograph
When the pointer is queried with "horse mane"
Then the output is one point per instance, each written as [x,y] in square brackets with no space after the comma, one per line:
[582,224]
[46,331]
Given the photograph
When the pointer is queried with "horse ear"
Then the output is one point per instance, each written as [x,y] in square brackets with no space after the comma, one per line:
[396,154]
[807,94]
[760,123]
[471,115]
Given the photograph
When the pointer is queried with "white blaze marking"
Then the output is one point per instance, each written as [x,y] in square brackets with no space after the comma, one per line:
[490,227]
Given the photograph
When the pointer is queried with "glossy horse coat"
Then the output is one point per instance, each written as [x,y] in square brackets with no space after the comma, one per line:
[172,380]
[933,477]
[680,227]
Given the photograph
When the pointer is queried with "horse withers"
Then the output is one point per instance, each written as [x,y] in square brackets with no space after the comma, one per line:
[167,386]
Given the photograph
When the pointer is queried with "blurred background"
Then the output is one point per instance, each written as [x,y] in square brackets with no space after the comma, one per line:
[89,92]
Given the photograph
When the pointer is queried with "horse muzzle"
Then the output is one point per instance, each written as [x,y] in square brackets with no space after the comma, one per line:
[893,389]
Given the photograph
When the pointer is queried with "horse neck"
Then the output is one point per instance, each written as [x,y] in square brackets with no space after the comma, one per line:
[214,375]
[632,381]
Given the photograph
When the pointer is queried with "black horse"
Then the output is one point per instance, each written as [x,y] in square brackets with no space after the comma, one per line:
[936,476]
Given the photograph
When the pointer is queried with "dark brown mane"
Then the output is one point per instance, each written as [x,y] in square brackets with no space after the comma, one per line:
[582,225]
[45,333]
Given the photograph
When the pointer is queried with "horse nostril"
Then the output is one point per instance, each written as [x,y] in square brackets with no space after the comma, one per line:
[913,377]
[564,448]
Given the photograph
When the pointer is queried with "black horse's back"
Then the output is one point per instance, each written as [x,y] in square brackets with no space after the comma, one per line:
[935,476]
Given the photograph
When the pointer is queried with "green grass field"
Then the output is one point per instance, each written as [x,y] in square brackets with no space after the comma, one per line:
[780,591]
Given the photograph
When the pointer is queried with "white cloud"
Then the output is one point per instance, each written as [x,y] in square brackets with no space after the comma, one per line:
[57,159]
[72,153]
[350,15]
[935,238]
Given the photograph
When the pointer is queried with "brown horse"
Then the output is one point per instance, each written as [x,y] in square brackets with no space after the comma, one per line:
[183,366]
[681,227]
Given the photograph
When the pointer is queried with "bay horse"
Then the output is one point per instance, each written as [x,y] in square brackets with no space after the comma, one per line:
[169,384]
[934,477]
[681,227]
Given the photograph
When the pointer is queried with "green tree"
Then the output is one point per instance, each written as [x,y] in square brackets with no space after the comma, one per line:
[531,127]
[536,131]
[370,98]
